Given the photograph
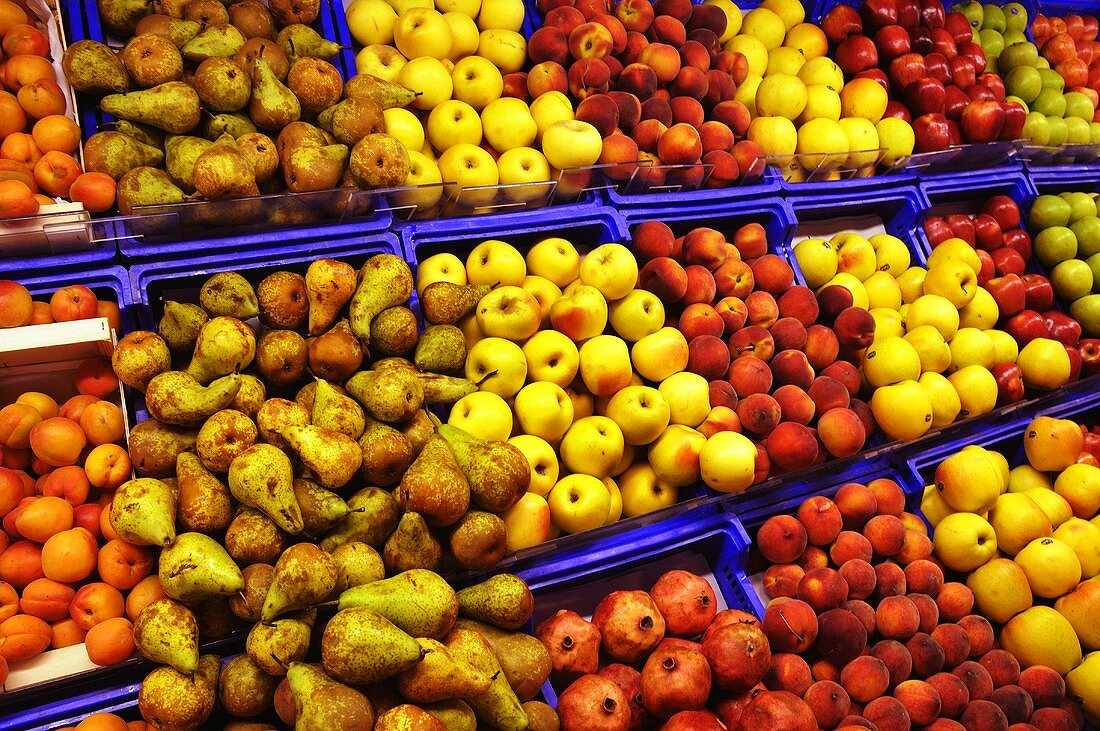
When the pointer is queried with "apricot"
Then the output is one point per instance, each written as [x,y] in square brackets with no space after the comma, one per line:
[95,377]
[73,409]
[25,38]
[110,641]
[95,190]
[24,637]
[123,565]
[103,423]
[70,555]
[66,633]
[11,490]
[107,466]
[9,601]
[21,563]
[41,98]
[45,517]
[70,483]
[24,69]
[12,117]
[147,591]
[17,420]
[58,441]
[46,599]
[86,516]
[56,133]
[95,603]
[56,172]
[21,148]
[11,15]
[105,528]
[102,721]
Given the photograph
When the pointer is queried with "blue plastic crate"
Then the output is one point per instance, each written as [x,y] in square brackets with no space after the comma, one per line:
[1056,179]
[109,283]
[767,185]
[118,699]
[101,253]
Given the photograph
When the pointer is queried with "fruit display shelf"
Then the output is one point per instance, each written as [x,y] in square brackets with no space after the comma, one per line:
[102,251]
[632,195]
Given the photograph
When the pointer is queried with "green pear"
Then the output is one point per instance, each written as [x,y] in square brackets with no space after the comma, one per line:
[383,93]
[503,601]
[412,546]
[360,646]
[167,632]
[92,67]
[445,303]
[498,472]
[336,412]
[175,397]
[180,325]
[373,518]
[322,704]
[440,676]
[274,646]
[304,575]
[525,660]
[499,707]
[263,478]
[322,509]
[434,486]
[356,564]
[143,512]
[391,395]
[456,715]
[205,504]
[196,567]
[217,41]
[173,107]
[441,389]
[225,345]
[228,294]
[334,458]
[385,280]
[418,601]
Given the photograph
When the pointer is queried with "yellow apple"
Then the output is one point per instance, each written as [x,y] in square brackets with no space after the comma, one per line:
[891,254]
[464,35]
[580,314]
[544,410]
[641,412]
[934,310]
[896,135]
[430,79]
[1000,590]
[1041,636]
[507,49]
[579,502]
[629,453]
[969,481]
[1079,484]
[506,14]
[890,361]
[470,330]
[556,259]
[1018,521]
[380,60]
[422,32]
[853,285]
[902,410]
[955,249]
[545,292]
[855,255]
[551,357]
[933,506]
[943,397]
[524,174]
[440,268]
[1045,364]
[1053,504]
[497,365]
[476,81]
[675,455]
[818,261]
[1083,683]
[964,541]
[615,509]
[1084,538]
[509,312]
[493,262]
[727,462]
[584,404]
[612,269]
[637,315]
[483,414]
[371,21]
[660,355]
[977,389]
[542,459]
[776,136]
[452,123]
[688,396]
[527,523]
[549,109]
[1052,567]
[403,5]
[643,492]
[911,282]
[469,8]
[570,143]
[1025,477]
[592,446]
[602,402]
[404,125]
[605,365]
[508,124]
[1005,348]
[862,137]
[971,346]
[470,168]
[882,291]
[932,349]
[981,312]
[953,280]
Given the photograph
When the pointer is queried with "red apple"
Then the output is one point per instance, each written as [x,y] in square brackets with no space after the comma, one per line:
[963,72]
[1019,240]
[958,26]
[1063,328]
[975,53]
[956,102]
[1015,116]
[1027,326]
[855,54]
[932,132]
[1010,383]
[840,22]
[931,14]
[1008,261]
[943,43]
[994,84]
[962,226]
[987,232]
[937,230]
[908,13]
[896,109]
[876,75]
[920,40]
[891,42]
[906,69]
[938,67]
[1040,292]
[1004,210]
[878,13]
[1089,348]
[926,96]
[1008,292]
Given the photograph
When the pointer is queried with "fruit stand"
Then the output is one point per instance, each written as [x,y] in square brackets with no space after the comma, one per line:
[549,364]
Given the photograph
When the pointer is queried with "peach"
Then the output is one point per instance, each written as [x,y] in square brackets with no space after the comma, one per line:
[788,672]
[734,115]
[821,518]
[1014,702]
[955,601]
[722,394]
[69,555]
[928,656]
[629,106]
[704,246]
[548,44]
[798,303]
[664,277]
[144,593]
[732,310]
[647,134]
[108,466]
[782,580]
[790,367]
[791,625]
[680,145]
[890,496]
[515,87]
[12,117]
[897,618]
[58,441]
[663,59]
[953,693]
[914,522]
[825,670]
[723,168]
[21,563]
[95,603]
[687,110]
[985,715]
[1003,667]
[87,516]
[955,643]
[56,133]
[897,659]
[123,565]
[95,377]
[759,413]
[46,599]
[40,99]
[75,302]
[887,714]
[916,547]
[16,308]
[828,394]
[617,30]
[720,89]
[23,637]
[889,579]
[863,611]
[601,111]
[794,404]
[861,578]
[885,532]
[823,589]
[856,502]
[813,558]
[781,539]
[791,446]
[849,545]
[754,340]
[652,239]
[929,612]
[641,81]
[667,29]
[96,191]
[700,285]
[773,275]
[17,421]
[841,637]
[821,347]
[924,576]
[921,701]
[701,319]
[565,18]
[70,483]
[103,423]
[734,278]
[66,633]
[1054,719]
[716,136]
[865,678]
[73,409]
[980,631]
[619,155]
[1045,686]
[708,356]
[110,641]
[829,702]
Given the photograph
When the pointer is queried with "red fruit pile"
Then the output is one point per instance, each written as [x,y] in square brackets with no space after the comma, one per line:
[656,673]
[654,80]
[778,358]
[864,625]
[1069,44]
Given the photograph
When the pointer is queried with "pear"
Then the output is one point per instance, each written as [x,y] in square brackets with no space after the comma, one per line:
[180,154]
[334,458]
[287,12]
[152,59]
[499,707]
[252,537]
[251,397]
[498,472]
[196,567]
[330,285]
[336,354]
[503,601]
[541,717]
[234,124]
[479,540]
[525,660]
[143,512]
[439,676]
[263,478]
[418,431]
[420,602]
[454,714]
[322,509]
[177,30]
[322,704]
[146,186]
[383,93]
[273,105]
[139,357]
[244,689]
[180,325]
[250,601]
[445,303]
[378,161]
[274,646]
[373,518]
[154,448]
[440,389]
[252,18]
[392,396]
[276,414]
[357,564]
[352,119]
[315,168]
[387,453]
[222,437]
[361,647]
[225,345]
[205,504]
[260,151]
[116,154]
[143,133]
[406,716]
[434,486]
[441,349]
[385,280]
[222,171]
[216,41]
[412,546]
[228,294]
[91,67]
[169,699]
[222,85]
[167,632]
[304,575]
[300,41]
[337,412]
[120,17]
[173,107]
[175,397]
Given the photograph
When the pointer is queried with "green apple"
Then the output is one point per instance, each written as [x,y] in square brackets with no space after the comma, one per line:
[1019,55]
[1081,205]
[1087,231]
[1077,131]
[1049,210]
[1072,279]
[1094,132]
[1058,131]
[1024,82]
[994,18]
[973,11]
[1051,78]
[992,42]
[1087,312]
[1036,129]
[1079,105]
[1015,17]
[1055,244]
[1012,37]
[1094,264]
[1050,102]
